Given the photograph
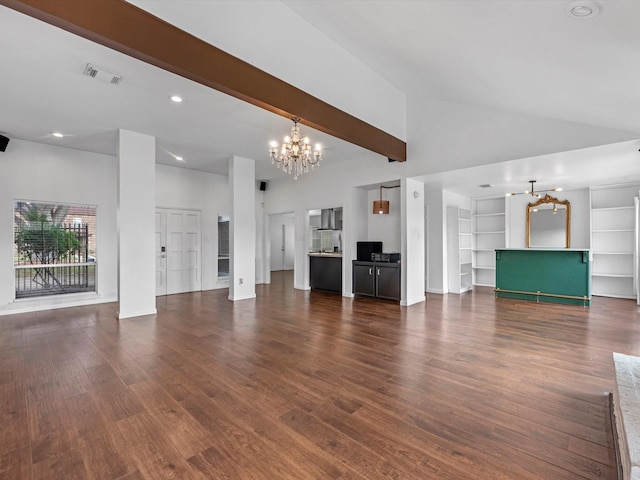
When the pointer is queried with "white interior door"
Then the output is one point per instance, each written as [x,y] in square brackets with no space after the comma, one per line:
[183,251]
[178,251]
[277,246]
[161,255]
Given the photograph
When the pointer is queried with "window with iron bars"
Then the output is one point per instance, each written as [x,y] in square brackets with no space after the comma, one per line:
[54,248]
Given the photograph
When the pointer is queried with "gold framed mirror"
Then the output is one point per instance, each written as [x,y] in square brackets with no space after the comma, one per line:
[547,227]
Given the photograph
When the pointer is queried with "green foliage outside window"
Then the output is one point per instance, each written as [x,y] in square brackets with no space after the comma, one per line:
[42,239]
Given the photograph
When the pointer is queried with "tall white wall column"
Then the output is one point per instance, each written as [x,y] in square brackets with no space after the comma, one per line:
[242,234]
[136,224]
[412,242]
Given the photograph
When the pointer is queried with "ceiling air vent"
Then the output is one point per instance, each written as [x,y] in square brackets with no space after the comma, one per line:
[101,74]
[485,185]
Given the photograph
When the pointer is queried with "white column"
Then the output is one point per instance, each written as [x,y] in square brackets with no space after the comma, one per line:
[136,224]
[412,242]
[436,243]
[242,234]
[301,250]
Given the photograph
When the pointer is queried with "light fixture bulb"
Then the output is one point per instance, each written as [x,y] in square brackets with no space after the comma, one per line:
[176,98]
[57,134]
[178,158]
[273,144]
[559,189]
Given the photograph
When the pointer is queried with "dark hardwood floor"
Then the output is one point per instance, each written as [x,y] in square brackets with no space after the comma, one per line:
[305,385]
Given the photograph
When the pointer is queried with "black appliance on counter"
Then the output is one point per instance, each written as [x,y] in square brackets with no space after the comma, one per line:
[364,250]
[385,257]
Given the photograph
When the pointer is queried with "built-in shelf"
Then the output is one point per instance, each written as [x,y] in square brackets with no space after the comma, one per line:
[613,237]
[459,250]
[489,233]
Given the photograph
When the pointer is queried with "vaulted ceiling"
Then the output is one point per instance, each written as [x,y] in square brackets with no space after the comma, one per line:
[525,56]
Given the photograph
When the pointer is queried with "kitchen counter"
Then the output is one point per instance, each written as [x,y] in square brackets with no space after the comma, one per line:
[326,254]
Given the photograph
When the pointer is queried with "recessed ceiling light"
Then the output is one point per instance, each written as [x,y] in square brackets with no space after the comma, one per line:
[583,9]
[180,159]
[57,134]
[176,98]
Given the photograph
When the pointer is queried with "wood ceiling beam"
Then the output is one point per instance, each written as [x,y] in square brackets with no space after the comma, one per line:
[130,30]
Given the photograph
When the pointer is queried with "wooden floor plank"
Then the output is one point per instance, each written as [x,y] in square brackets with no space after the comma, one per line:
[298,384]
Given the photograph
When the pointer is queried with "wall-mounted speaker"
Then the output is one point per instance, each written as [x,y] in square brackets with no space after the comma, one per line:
[4,141]
[263,186]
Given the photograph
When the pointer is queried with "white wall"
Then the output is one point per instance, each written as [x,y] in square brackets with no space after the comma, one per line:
[443,136]
[580,217]
[194,190]
[385,228]
[33,171]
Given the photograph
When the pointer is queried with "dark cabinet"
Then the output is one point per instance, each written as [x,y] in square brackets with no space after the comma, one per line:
[325,273]
[388,281]
[363,279]
[381,280]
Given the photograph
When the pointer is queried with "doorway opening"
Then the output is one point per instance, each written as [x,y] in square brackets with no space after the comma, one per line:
[281,239]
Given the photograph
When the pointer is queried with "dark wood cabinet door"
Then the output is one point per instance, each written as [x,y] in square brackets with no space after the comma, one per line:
[364,280]
[387,282]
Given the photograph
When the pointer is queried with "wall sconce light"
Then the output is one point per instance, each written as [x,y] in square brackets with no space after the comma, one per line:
[381,207]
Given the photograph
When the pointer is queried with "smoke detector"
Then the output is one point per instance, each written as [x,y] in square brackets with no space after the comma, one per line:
[102,74]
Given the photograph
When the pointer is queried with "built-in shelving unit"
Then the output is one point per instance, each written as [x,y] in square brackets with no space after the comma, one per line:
[489,233]
[459,250]
[613,240]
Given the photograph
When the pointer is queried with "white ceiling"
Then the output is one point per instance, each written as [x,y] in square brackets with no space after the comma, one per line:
[526,56]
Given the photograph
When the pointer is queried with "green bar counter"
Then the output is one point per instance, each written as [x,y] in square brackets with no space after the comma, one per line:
[544,275]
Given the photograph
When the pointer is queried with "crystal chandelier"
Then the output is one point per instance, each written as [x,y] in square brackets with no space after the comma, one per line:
[295,155]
